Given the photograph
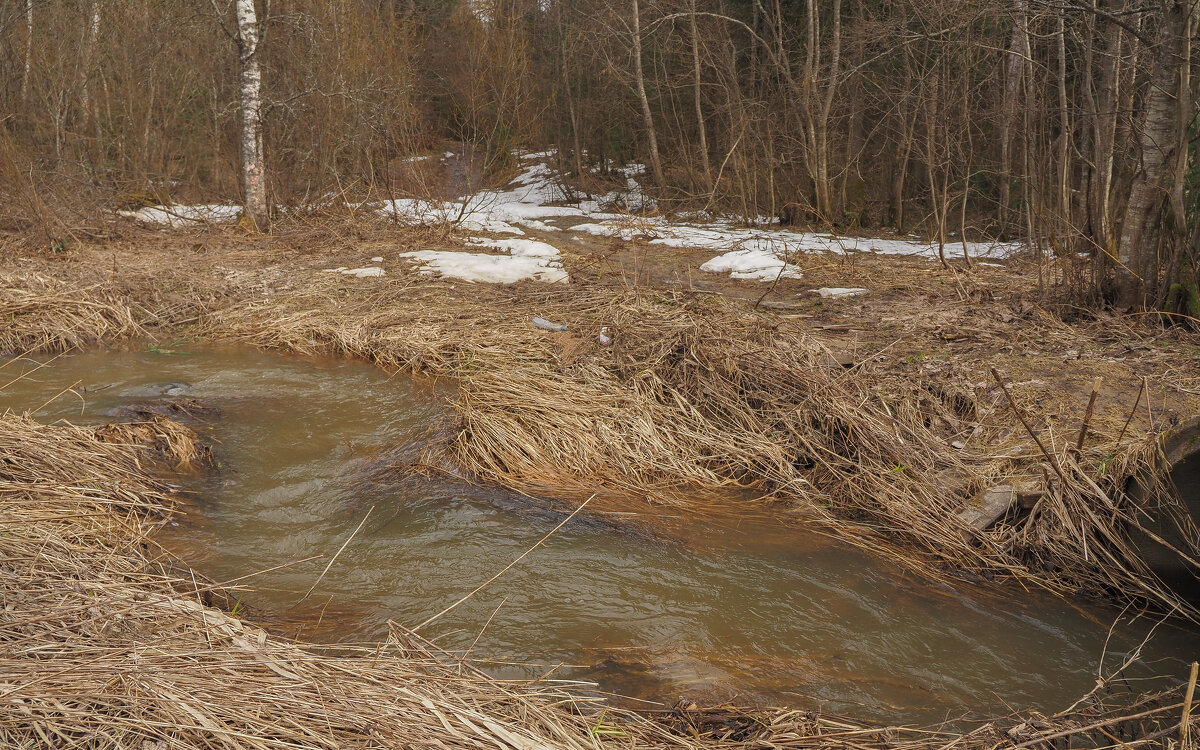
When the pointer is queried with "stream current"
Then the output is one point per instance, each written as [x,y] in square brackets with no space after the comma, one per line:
[718,607]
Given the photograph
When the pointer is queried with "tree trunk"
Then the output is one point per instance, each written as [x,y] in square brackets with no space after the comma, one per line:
[1136,273]
[572,112]
[28,50]
[827,205]
[817,107]
[908,126]
[90,35]
[1104,118]
[639,76]
[1018,46]
[253,177]
[703,131]
[1064,139]
[935,164]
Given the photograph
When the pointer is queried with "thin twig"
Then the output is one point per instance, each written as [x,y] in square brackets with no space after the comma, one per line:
[524,554]
[1132,411]
[333,559]
[1049,456]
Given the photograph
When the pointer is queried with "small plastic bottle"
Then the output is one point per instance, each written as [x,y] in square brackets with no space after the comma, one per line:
[543,323]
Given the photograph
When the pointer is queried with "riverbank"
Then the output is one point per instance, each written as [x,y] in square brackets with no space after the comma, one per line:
[878,417]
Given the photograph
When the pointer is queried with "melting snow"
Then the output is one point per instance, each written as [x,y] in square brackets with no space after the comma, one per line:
[725,236]
[181,216]
[361,273]
[498,269]
[527,248]
[526,259]
[836,291]
[745,253]
[758,265]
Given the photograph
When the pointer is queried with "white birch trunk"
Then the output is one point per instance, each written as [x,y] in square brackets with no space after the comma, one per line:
[28,49]
[253,177]
[1136,274]
[90,35]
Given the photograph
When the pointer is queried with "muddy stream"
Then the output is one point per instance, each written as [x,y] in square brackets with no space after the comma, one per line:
[734,607]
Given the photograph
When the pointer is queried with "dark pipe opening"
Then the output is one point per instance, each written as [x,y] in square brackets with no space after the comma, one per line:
[1182,449]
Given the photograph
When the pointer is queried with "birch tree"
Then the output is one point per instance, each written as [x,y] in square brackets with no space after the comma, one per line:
[28,50]
[253,173]
[1137,272]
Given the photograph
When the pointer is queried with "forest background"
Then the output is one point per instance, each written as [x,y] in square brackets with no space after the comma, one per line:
[1071,124]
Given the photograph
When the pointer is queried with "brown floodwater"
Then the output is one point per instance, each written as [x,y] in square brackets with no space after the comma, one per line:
[728,606]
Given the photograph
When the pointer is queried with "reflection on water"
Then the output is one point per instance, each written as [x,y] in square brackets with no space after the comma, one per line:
[714,608]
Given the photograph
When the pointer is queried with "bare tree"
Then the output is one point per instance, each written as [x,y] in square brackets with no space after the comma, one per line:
[697,94]
[819,105]
[1014,68]
[639,77]
[90,34]
[1071,123]
[28,50]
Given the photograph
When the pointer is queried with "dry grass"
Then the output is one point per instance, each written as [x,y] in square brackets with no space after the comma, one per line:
[168,440]
[42,314]
[103,645]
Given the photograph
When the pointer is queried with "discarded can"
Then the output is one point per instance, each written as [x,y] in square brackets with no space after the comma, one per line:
[543,323]
[605,337]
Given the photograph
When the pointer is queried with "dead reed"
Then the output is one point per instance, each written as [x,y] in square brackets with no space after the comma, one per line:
[169,441]
[44,315]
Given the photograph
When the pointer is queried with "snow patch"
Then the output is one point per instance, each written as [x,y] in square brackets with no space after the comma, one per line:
[480,267]
[756,265]
[469,215]
[181,216]
[359,273]
[839,291]
[523,203]
[518,248]
[526,259]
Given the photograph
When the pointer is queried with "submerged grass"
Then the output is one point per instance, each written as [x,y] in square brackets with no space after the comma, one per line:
[104,644]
